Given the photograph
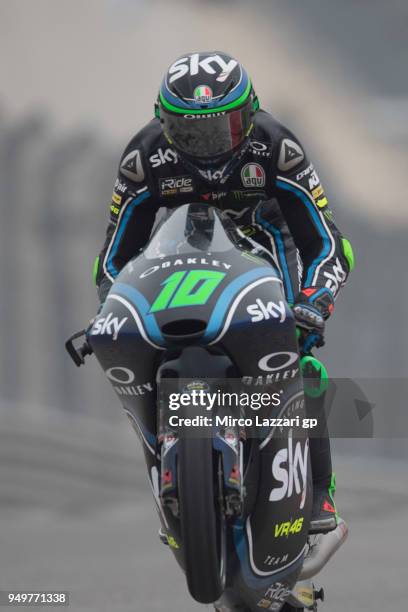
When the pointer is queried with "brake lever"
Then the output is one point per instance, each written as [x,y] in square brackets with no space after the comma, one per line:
[78,354]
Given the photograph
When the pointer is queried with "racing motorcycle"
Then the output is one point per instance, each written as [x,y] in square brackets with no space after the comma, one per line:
[202,309]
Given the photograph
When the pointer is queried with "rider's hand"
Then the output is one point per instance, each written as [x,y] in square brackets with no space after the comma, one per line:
[310,327]
[311,309]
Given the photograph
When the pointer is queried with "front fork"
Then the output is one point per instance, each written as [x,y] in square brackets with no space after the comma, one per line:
[228,442]
[228,445]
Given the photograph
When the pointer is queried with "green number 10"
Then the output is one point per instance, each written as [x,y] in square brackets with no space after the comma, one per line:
[183,288]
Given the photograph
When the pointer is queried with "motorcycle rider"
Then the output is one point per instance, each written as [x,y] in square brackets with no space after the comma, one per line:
[211,142]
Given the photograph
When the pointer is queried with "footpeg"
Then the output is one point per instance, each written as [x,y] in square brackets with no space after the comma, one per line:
[319,594]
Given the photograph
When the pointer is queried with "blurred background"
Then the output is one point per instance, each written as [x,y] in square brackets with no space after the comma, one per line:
[78,79]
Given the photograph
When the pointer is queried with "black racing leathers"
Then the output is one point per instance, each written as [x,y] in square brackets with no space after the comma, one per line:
[273,193]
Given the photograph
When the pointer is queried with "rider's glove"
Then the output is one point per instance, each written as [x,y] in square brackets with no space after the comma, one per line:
[311,309]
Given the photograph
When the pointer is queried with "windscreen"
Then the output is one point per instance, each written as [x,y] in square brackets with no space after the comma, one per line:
[192,228]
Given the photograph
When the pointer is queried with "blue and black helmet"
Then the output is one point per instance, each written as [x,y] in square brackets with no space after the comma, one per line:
[206,105]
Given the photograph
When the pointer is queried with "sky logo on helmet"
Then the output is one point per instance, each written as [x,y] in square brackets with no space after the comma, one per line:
[193,64]
[203,94]
[253,175]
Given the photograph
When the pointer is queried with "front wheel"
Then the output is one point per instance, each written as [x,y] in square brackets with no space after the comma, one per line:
[201,527]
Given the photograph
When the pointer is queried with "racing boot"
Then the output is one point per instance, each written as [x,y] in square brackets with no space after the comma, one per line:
[324,514]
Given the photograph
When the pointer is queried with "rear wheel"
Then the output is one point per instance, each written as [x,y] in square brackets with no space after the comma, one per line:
[201,527]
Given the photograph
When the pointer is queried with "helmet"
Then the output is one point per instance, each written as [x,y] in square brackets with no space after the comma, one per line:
[206,106]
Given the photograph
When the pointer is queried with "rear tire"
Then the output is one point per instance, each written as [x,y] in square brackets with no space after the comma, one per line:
[201,538]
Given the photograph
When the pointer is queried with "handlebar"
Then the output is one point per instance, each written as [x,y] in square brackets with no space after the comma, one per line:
[78,354]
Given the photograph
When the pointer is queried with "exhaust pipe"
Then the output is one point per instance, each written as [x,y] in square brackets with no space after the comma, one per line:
[322,548]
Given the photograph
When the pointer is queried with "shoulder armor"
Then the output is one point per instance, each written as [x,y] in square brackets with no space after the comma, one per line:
[290,155]
[131,166]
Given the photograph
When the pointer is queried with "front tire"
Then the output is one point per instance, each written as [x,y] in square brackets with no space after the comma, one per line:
[201,537]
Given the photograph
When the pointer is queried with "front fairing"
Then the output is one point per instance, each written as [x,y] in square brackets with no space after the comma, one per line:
[197,282]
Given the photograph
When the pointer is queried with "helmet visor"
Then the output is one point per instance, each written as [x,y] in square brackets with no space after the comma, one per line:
[207,136]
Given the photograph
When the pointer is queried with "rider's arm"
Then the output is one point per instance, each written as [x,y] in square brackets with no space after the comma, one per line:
[132,215]
[326,255]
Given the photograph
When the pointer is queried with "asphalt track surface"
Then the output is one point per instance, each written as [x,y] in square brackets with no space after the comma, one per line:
[77,514]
